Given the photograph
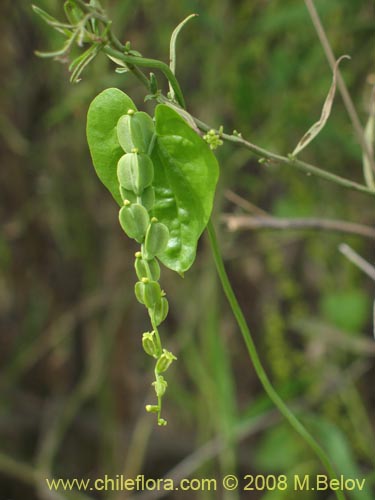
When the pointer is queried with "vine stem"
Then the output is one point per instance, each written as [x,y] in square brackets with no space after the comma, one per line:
[228,290]
[272,158]
[116,50]
[268,157]
[149,63]
[247,337]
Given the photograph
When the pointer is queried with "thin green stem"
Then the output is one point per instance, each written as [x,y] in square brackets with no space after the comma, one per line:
[149,63]
[160,399]
[275,398]
[155,328]
[307,168]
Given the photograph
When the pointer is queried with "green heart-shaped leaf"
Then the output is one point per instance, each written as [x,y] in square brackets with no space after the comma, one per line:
[103,115]
[186,173]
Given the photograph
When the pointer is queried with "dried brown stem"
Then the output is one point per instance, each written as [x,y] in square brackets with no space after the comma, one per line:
[340,82]
[245,222]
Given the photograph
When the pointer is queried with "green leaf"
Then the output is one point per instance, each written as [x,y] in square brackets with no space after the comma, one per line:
[338,447]
[172,46]
[347,309]
[103,115]
[186,173]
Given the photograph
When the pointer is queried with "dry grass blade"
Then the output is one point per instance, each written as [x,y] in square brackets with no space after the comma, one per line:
[326,111]
[340,81]
[246,222]
[370,139]
[357,260]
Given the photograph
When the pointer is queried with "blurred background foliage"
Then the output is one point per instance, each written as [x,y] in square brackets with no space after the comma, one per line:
[74,379]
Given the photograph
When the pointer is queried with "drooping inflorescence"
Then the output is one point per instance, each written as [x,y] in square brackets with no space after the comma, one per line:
[135,174]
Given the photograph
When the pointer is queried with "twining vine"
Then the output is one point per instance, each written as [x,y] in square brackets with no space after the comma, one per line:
[163,175]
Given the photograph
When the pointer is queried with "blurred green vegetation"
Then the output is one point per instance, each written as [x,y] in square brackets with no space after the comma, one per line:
[74,380]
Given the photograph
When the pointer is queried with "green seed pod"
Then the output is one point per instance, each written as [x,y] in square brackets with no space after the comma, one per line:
[157,237]
[135,130]
[152,293]
[148,292]
[140,266]
[147,197]
[134,220]
[135,172]
[160,385]
[139,291]
[161,311]
[149,344]
[152,408]
[165,361]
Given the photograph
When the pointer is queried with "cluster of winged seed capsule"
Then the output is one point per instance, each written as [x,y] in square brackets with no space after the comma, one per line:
[135,173]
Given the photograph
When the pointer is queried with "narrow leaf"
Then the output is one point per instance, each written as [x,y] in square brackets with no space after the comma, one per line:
[119,62]
[172,45]
[326,111]
[59,53]
[186,173]
[73,13]
[79,67]
[44,15]
[370,139]
[51,21]
[103,115]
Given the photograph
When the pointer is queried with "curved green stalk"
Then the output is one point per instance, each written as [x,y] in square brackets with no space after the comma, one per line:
[149,63]
[273,395]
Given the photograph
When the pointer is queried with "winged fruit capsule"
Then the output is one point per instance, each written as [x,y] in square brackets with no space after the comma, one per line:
[135,130]
[148,292]
[147,198]
[160,386]
[135,172]
[161,311]
[165,361]
[134,220]
[157,237]
[149,344]
[146,269]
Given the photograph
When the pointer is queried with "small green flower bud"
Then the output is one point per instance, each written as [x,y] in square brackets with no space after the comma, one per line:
[213,138]
[149,344]
[153,84]
[134,220]
[157,237]
[152,408]
[148,292]
[161,311]
[147,196]
[135,172]
[162,422]
[135,130]
[160,385]
[146,269]
[165,361]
